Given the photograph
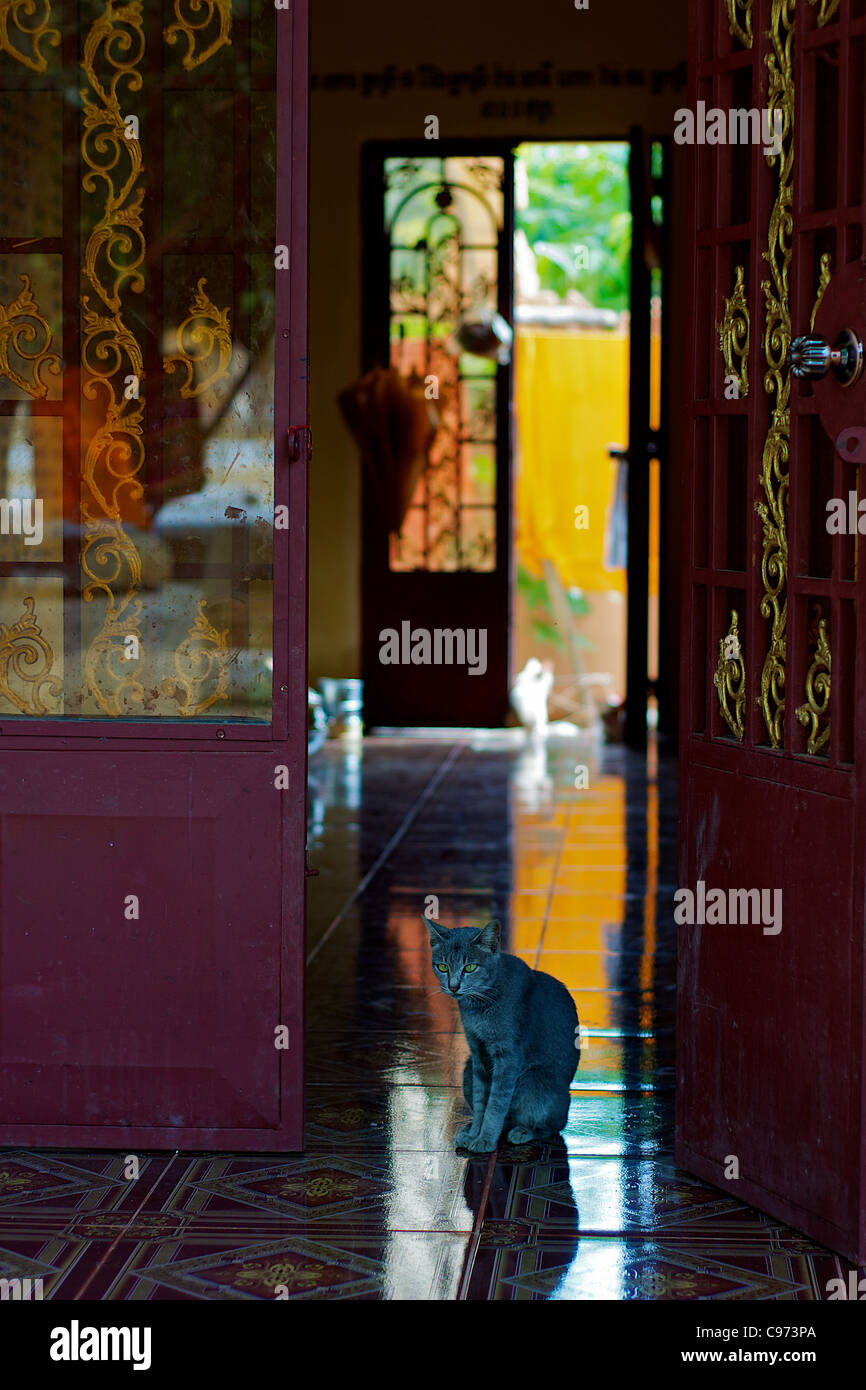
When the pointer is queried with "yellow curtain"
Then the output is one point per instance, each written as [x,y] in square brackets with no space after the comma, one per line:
[572,402]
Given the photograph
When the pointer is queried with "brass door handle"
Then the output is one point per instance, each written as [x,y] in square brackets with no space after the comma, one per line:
[811,357]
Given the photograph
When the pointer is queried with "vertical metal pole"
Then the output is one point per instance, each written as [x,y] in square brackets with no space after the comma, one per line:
[638,442]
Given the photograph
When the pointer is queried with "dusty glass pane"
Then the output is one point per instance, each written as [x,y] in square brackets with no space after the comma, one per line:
[136,391]
[31,133]
[31,490]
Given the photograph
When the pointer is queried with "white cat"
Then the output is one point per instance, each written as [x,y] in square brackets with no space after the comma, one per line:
[530,692]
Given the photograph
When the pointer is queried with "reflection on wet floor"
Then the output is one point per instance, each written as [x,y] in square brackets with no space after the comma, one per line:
[582,878]
[379,1205]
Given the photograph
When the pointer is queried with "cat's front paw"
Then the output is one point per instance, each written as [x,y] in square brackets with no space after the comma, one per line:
[476,1144]
[520,1135]
[464,1135]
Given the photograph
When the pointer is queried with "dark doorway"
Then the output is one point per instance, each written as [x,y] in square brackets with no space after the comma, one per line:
[438,570]
[438,264]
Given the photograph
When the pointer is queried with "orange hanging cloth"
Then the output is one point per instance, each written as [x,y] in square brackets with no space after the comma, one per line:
[394,425]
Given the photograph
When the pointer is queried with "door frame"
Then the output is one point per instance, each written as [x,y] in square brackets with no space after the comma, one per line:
[284,739]
[375,351]
[375,319]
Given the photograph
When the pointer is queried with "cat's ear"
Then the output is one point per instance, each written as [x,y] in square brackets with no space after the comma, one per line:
[488,937]
[436,932]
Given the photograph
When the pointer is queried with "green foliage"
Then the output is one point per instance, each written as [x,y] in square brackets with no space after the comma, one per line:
[579,198]
[534,590]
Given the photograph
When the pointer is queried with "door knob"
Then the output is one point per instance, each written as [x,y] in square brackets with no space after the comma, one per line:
[811,357]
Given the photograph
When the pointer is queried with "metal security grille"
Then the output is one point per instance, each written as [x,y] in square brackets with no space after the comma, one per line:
[444,221]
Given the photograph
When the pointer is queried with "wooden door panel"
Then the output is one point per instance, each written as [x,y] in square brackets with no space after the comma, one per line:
[768,1017]
[773,714]
[407,695]
[167,1019]
[438,247]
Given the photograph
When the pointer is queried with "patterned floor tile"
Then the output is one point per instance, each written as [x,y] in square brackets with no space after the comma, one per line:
[394,1058]
[26,1176]
[403,1266]
[593,1269]
[615,1195]
[403,1117]
[406,1191]
[379,1206]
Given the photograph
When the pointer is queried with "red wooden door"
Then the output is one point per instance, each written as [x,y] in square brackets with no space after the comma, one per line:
[439,235]
[770,1024]
[153,457]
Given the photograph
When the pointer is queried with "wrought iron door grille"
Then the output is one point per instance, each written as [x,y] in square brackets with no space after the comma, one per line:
[444,221]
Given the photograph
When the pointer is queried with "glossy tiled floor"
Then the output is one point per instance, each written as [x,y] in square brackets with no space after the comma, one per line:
[380,1205]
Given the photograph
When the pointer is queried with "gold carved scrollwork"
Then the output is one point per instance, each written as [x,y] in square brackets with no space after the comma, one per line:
[734,335]
[22,647]
[741,28]
[20,324]
[16,14]
[202,336]
[730,679]
[823,281]
[814,715]
[202,657]
[773,510]
[114,253]
[826,10]
[190,29]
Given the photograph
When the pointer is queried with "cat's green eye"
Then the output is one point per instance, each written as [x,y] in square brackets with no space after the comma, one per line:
[440,965]
[470,967]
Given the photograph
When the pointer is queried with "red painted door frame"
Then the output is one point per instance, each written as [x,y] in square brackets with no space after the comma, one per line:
[162,1032]
[770,1028]
[413,696]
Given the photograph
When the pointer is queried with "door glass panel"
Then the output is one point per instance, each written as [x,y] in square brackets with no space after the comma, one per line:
[137,364]
[444,218]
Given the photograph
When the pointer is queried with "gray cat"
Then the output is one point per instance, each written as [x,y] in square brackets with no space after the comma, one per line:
[522,1030]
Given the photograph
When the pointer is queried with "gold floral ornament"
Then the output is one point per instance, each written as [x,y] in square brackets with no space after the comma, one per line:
[204,335]
[29,19]
[106,662]
[730,679]
[773,510]
[114,453]
[10,1181]
[741,28]
[826,10]
[814,714]
[21,324]
[306,1273]
[189,28]
[23,647]
[734,335]
[823,281]
[202,657]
